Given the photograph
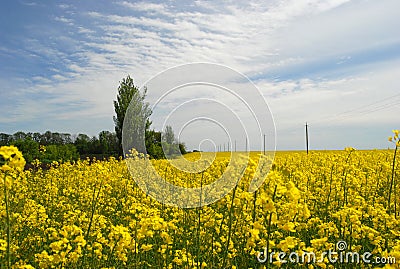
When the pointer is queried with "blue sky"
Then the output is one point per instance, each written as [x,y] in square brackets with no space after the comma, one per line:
[334,64]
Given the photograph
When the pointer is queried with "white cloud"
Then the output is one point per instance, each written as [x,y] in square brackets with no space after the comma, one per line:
[64,6]
[145,6]
[368,99]
[354,27]
[281,38]
[59,77]
[29,3]
[64,20]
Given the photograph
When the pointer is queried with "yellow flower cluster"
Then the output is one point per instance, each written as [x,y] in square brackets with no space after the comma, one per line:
[395,137]
[94,215]
[11,158]
[11,164]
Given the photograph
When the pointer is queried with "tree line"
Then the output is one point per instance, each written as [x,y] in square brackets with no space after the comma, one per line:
[54,146]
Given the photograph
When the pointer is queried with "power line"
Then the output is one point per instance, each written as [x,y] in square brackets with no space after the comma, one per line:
[355,112]
[359,111]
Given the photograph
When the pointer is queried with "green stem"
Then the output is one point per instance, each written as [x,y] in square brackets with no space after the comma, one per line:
[392,179]
[93,209]
[329,195]
[269,228]
[199,221]
[344,180]
[8,230]
[254,206]
[229,227]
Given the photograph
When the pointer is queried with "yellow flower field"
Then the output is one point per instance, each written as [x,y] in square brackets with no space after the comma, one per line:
[93,215]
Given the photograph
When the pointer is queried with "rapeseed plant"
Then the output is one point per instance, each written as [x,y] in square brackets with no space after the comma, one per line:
[84,215]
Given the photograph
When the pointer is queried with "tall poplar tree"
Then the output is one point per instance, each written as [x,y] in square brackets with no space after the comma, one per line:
[130,97]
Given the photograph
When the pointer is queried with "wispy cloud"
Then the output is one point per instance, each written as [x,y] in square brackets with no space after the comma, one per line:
[27,3]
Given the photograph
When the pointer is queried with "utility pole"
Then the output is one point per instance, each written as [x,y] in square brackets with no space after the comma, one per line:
[224,146]
[246,143]
[307,137]
[235,145]
[228,145]
[264,144]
